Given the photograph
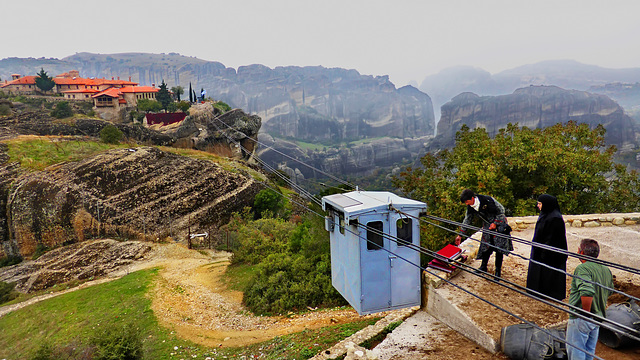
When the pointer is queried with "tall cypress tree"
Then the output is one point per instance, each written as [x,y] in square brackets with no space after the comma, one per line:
[190,94]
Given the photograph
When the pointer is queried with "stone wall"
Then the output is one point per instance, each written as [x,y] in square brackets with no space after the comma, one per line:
[588,220]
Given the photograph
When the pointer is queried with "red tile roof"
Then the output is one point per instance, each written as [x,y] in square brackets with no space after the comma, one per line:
[111,92]
[74,81]
[25,80]
[139,89]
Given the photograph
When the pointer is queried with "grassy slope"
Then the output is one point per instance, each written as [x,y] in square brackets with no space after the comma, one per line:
[74,317]
[38,152]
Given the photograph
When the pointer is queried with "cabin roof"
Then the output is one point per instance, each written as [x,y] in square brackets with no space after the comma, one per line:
[359,202]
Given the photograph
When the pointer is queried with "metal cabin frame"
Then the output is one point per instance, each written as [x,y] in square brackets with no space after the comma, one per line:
[374,272]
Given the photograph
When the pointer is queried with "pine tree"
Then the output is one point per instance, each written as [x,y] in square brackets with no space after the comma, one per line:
[44,82]
[163,96]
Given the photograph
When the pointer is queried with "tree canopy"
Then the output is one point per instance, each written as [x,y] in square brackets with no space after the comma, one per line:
[44,82]
[148,105]
[568,161]
[163,96]
[177,91]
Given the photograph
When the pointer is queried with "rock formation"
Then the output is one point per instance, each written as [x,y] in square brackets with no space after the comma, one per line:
[535,107]
[133,193]
[309,104]
[362,158]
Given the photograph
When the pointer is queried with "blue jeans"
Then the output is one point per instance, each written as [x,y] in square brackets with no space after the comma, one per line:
[584,335]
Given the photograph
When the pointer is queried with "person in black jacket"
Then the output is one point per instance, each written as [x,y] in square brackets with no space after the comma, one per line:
[550,230]
[491,212]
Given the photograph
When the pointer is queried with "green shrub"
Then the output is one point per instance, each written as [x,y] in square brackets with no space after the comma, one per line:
[221,106]
[62,110]
[5,110]
[117,341]
[293,264]
[40,250]
[6,292]
[84,107]
[91,113]
[44,352]
[136,116]
[111,134]
[268,201]
[10,260]
[183,106]
[257,239]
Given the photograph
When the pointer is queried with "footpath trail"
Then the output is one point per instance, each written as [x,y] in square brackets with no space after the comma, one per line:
[191,298]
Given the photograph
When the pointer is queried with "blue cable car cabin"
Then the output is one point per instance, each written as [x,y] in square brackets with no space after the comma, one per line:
[371,265]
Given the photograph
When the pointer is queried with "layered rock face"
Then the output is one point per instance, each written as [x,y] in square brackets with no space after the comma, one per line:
[310,104]
[535,107]
[314,103]
[132,193]
[358,159]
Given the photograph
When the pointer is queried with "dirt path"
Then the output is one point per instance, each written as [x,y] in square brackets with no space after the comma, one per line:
[190,298]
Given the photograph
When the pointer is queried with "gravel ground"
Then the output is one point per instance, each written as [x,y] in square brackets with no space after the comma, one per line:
[422,336]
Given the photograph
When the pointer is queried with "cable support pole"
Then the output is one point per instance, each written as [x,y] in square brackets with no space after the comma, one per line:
[522,290]
[344,182]
[532,260]
[480,298]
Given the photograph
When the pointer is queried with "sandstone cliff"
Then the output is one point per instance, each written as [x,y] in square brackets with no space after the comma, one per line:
[535,107]
[129,193]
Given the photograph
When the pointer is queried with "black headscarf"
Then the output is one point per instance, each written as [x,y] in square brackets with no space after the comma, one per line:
[549,204]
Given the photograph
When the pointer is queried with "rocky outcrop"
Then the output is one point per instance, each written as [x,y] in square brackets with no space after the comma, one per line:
[206,129]
[358,159]
[81,261]
[142,193]
[535,107]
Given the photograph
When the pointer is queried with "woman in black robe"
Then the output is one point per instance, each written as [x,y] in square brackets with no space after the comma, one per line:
[549,231]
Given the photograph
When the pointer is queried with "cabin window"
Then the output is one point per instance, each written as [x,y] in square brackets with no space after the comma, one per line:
[341,223]
[403,231]
[374,235]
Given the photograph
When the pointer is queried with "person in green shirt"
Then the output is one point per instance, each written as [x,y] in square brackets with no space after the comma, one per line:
[591,296]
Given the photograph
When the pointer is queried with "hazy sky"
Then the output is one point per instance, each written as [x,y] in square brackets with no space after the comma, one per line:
[406,40]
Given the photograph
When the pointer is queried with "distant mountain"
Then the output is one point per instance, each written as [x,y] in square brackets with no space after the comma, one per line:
[332,106]
[566,74]
[535,107]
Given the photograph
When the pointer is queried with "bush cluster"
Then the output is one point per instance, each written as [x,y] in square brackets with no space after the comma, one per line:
[5,110]
[10,260]
[110,342]
[6,292]
[293,264]
[111,134]
[223,107]
[62,110]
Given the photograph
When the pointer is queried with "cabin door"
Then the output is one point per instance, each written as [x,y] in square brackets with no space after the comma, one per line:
[374,264]
[404,260]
